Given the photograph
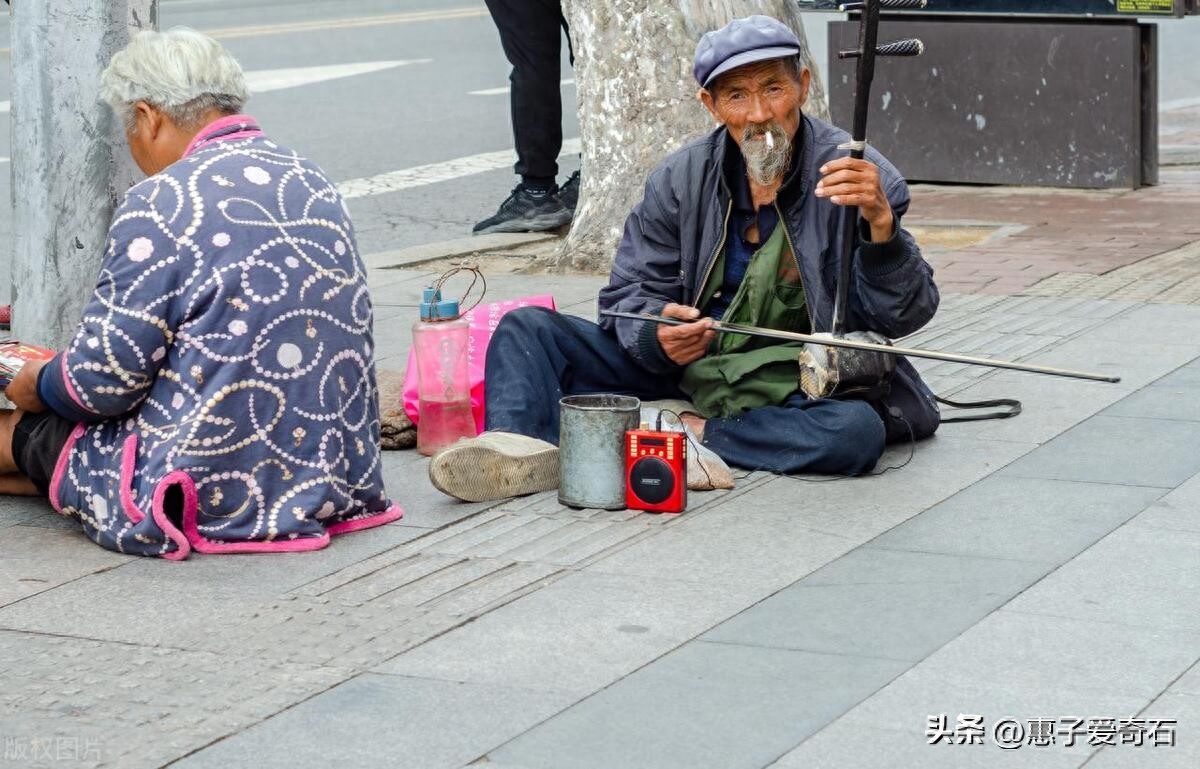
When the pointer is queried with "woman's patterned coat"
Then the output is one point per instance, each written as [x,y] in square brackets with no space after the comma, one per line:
[223,370]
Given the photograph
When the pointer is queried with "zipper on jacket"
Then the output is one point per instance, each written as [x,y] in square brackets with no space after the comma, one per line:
[712,260]
[812,325]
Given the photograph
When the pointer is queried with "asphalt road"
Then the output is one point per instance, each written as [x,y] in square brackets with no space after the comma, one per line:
[331,87]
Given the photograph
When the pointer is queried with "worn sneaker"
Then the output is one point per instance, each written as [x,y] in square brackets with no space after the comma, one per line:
[568,194]
[522,212]
[495,465]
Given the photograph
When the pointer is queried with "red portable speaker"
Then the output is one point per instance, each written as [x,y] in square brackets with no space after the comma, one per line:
[655,471]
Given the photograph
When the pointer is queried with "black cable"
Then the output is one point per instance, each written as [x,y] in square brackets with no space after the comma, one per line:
[912,452]
[687,436]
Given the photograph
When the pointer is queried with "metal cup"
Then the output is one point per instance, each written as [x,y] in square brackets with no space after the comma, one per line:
[591,449]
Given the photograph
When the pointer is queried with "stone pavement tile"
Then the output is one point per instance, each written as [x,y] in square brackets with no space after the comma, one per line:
[1137,364]
[1163,322]
[854,743]
[1159,401]
[35,559]
[43,516]
[354,631]
[1033,519]
[1138,575]
[1183,753]
[704,705]
[14,510]
[133,706]
[1187,376]
[880,603]
[393,338]
[1021,666]
[743,549]
[576,635]
[373,721]
[1118,450]
[1049,405]
[791,526]
[1180,509]
[1019,662]
[406,477]
[275,572]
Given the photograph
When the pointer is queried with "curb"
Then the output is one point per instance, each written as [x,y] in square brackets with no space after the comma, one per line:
[459,247]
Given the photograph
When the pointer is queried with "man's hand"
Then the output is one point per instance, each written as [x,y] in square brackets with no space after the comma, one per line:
[684,344]
[22,391]
[851,182]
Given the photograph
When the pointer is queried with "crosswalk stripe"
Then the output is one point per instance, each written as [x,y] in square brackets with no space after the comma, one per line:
[264,80]
[350,23]
[505,89]
[433,173]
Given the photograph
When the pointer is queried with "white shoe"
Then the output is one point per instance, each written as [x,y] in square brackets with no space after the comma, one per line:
[495,465]
[705,470]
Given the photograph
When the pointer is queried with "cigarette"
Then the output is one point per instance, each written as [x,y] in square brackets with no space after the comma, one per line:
[770,141]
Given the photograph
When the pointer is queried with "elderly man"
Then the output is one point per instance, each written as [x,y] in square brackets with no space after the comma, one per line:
[740,225]
[219,394]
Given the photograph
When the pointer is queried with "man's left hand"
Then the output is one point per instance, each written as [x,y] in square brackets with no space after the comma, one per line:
[851,182]
[22,391]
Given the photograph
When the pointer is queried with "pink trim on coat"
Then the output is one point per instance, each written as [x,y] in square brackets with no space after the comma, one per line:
[160,516]
[128,458]
[203,135]
[60,467]
[393,513]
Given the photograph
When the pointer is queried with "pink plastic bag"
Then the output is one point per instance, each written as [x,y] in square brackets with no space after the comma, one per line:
[483,320]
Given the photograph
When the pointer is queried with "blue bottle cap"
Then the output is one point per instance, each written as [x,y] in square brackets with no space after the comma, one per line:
[434,308]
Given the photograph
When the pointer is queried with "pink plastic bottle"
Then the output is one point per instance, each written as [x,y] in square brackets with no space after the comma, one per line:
[440,339]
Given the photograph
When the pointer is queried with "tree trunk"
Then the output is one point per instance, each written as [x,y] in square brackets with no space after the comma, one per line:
[637,101]
[70,164]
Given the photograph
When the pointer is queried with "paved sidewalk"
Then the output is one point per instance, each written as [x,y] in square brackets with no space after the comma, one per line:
[1044,568]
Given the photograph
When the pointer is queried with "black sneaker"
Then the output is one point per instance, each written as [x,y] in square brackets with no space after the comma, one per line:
[522,212]
[568,194]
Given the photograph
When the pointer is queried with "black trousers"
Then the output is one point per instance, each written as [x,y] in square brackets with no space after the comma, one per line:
[531,34]
[536,356]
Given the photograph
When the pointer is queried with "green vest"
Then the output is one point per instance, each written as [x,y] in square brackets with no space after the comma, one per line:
[744,372]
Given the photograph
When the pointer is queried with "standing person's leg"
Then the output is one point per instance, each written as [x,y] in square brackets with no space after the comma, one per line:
[535,357]
[531,35]
[840,437]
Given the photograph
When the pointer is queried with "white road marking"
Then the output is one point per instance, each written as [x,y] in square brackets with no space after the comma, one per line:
[1167,106]
[263,80]
[498,91]
[353,23]
[419,176]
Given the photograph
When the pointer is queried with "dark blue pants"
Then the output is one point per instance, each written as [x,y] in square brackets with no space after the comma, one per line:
[537,356]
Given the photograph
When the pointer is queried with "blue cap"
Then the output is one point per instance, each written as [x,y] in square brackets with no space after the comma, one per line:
[740,42]
[435,308]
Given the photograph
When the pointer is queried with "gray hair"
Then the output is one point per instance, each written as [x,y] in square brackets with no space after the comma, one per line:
[182,72]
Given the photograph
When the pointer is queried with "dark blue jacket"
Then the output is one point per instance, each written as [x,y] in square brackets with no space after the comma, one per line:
[673,236]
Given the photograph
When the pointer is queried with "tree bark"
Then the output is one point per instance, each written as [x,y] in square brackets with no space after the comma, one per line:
[637,101]
[70,164]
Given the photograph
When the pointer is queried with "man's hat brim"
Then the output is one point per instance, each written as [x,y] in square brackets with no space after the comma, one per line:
[750,57]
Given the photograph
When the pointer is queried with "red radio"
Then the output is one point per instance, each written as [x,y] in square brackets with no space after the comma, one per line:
[655,471]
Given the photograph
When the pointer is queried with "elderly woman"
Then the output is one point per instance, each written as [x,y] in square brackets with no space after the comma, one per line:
[219,394]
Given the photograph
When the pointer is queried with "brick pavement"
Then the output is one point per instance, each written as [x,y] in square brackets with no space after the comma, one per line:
[1063,236]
